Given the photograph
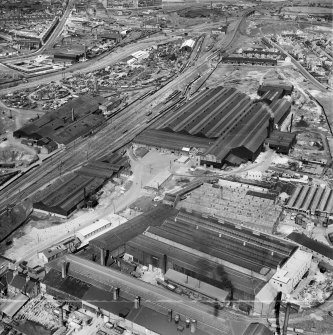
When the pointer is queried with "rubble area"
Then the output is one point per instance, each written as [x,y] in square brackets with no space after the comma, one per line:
[319,289]
[41,311]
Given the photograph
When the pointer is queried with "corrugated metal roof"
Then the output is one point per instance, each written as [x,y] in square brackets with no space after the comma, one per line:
[188,43]
[234,245]
[312,198]
[240,281]
[58,124]
[280,108]
[311,244]
[172,141]
[114,238]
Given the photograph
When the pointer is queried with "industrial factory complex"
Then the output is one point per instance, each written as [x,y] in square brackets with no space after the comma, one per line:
[166,167]
[74,119]
[221,126]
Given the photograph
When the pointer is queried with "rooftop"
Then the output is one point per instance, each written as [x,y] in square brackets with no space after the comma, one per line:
[311,244]
[223,240]
[59,126]
[11,307]
[196,285]
[224,117]
[87,274]
[291,267]
[118,236]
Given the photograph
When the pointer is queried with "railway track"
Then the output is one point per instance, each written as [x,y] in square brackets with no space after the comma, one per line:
[109,139]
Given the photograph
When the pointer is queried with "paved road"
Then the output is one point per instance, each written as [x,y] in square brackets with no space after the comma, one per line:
[108,59]
[105,141]
[56,32]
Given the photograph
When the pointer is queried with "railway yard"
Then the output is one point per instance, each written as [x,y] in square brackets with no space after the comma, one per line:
[189,143]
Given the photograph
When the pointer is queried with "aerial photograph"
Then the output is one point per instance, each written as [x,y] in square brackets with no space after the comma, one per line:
[166,167]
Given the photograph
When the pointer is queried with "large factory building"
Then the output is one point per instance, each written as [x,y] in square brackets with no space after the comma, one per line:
[217,252]
[220,125]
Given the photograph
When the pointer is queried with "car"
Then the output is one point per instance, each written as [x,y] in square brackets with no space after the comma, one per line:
[330,313]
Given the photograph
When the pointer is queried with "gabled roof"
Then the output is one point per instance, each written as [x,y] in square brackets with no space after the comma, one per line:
[104,300]
[311,244]
[18,282]
[118,236]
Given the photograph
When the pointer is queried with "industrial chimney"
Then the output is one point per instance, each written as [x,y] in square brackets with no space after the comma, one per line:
[61,316]
[116,293]
[137,302]
[291,122]
[169,315]
[193,326]
[64,269]
[102,257]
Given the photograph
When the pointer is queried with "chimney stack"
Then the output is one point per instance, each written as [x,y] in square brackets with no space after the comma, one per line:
[193,326]
[169,315]
[64,269]
[61,317]
[187,323]
[137,302]
[102,257]
[116,293]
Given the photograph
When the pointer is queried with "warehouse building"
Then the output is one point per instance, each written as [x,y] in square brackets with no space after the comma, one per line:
[67,57]
[112,244]
[319,250]
[219,253]
[110,36]
[30,43]
[252,206]
[140,55]
[281,141]
[249,60]
[280,108]
[291,272]
[75,192]
[70,121]
[125,301]
[314,200]
[65,198]
[98,228]
[220,125]
[188,45]
[267,86]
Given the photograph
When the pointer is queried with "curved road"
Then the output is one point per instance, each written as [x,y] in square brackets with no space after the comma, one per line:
[56,32]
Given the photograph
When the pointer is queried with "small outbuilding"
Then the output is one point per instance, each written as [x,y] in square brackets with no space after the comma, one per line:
[188,45]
